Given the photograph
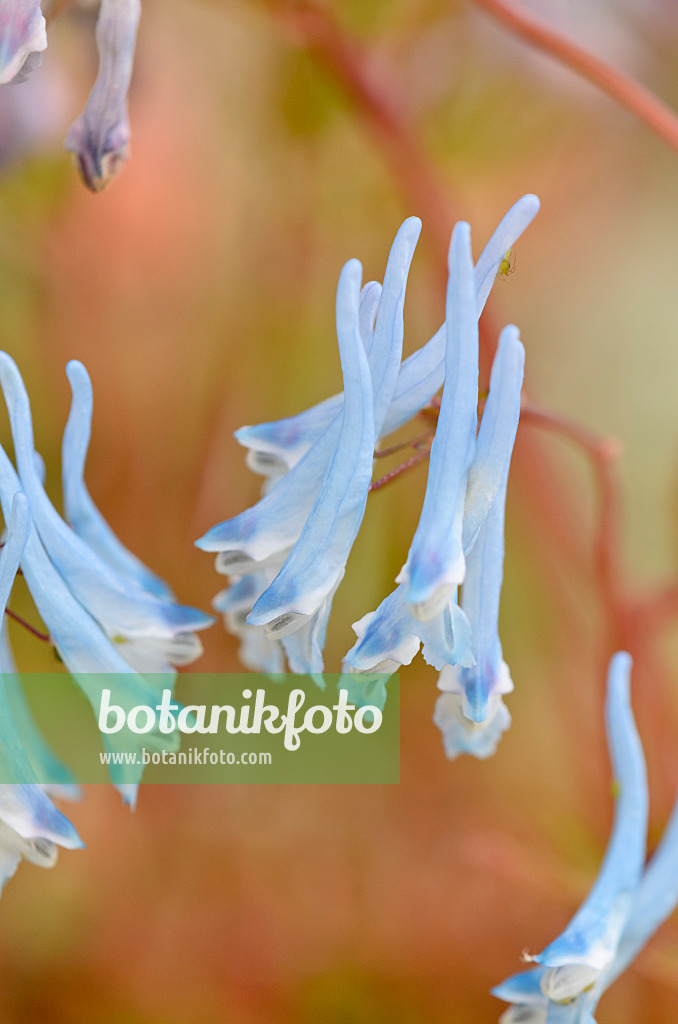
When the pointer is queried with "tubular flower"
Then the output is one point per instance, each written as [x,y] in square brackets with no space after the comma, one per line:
[476,690]
[462,643]
[22,38]
[301,594]
[627,901]
[30,826]
[100,136]
[153,634]
[81,513]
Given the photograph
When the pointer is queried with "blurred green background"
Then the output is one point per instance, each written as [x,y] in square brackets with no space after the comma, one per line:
[199,292]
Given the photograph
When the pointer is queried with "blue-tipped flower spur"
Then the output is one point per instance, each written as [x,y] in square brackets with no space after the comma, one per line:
[627,901]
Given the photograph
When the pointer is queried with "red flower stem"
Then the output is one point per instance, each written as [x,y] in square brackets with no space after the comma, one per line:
[31,629]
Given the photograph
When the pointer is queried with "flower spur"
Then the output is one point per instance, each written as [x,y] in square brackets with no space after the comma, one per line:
[30,826]
[619,913]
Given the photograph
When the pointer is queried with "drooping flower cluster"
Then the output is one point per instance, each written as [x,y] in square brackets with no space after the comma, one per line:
[287,554]
[100,136]
[112,621]
[629,899]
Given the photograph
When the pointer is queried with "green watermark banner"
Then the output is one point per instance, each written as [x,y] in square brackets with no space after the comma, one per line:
[57,729]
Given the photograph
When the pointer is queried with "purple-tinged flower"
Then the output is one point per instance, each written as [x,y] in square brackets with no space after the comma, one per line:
[100,136]
[22,38]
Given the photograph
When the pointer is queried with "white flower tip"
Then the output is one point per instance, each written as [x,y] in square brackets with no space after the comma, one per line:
[563,984]
[285,624]
[235,563]
[424,611]
[382,668]
[527,1014]
[265,463]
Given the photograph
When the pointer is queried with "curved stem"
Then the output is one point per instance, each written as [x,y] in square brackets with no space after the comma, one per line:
[629,94]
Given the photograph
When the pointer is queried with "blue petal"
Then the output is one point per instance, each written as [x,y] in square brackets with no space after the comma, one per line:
[304,647]
[32,815]
[524,987]
[280,444]
[276,521]
[117,603]
[421,374]
[461,735]
[435,563]
[79,509]
[82,645]
[385,352]
[391,636]
[22,37]
[100,136]
[47,768]
[592,936]
[654,900]
[497,434]
[316,562]
[387,637]
[485,564]
[505,236]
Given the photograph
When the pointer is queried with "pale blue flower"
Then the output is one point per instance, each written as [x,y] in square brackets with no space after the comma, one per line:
[471,714]
[275,447]
[30,826]
[481,684]
[435,564]
[303,588]
[618,915]
[79,509]
[88,654]
[100,136]
[22,38]
[153,634]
